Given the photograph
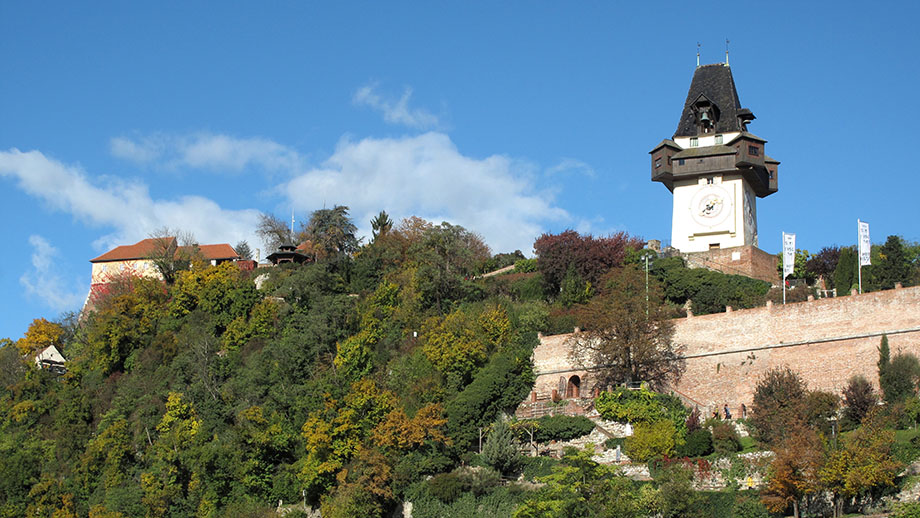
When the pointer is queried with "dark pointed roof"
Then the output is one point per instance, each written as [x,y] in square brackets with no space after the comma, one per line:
[715,84]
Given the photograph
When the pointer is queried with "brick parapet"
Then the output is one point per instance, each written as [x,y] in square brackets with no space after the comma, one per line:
[826,341]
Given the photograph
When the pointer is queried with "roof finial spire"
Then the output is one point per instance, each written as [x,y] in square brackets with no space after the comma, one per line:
[697,54]
[726,52]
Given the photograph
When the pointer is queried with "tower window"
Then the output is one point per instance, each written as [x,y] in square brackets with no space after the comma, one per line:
[694,142]
[657,163]
[718,139]
[753,151]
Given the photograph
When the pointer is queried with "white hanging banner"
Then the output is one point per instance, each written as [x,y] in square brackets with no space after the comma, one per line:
[865,247]
[788,254]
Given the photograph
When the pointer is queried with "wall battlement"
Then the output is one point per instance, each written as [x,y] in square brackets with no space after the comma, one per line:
[826,341]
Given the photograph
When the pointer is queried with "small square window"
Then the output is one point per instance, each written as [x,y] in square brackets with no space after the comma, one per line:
[657,163]
[680,161]
[718,139]
[753,151]
[694,142]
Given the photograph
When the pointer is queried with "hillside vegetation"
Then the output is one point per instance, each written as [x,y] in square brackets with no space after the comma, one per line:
[345,383]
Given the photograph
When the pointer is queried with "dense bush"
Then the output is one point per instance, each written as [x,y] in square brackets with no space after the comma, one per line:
[556,428]
[725,438]
[709,291]
[652,441]
[698,444]
[906,510]
[525,266]
[447,487]
[641,406]
[533,467]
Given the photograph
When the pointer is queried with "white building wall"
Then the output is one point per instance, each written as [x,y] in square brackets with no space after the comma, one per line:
[720,213]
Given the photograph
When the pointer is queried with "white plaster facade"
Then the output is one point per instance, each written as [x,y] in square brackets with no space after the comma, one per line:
[713,211]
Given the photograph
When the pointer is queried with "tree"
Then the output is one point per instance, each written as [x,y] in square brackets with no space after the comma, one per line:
[381,225]
[864,462]
[332,233]
[501,449]
[173,251]
[824,263]
[859,397]
[273,231]
[899,379]
[778,405]
[893,265]
[800,266]
[627,333]
[446,255]
[242,249]
[41,334]
[846,275]
[579,486]
[591,257]
[794,472]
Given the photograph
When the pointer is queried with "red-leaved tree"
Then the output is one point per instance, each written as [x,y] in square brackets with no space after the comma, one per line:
[590,257]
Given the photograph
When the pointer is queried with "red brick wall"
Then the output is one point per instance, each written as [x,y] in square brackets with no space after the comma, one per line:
[740,260]
[826,341]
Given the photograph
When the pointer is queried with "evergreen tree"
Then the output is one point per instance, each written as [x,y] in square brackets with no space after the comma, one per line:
[501,450]
[893,265]
[846,275]
[242,249]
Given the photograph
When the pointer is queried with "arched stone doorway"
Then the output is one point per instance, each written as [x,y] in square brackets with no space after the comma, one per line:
[573,387]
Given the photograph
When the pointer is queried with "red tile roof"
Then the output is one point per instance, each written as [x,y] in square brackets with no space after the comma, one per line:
[140,250]
[147,247]
[221,251]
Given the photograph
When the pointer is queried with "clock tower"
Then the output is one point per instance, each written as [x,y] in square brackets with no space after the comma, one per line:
[714,167]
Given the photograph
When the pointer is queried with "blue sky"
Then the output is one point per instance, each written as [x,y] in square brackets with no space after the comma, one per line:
[511,119]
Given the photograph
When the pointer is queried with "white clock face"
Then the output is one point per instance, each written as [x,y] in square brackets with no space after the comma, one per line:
[711,206]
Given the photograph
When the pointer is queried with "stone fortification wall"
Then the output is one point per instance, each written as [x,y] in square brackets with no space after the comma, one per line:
[744,260]
[827,341]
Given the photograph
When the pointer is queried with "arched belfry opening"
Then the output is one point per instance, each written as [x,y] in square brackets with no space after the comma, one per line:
[573,387]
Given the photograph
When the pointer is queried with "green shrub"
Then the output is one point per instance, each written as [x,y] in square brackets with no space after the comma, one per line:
[906,510]
[698,444]
[613,442]
[749,506]
[652,441]
[525,266]
[447,487]
[725,438]
[641,406]
[556,428]
[533,467]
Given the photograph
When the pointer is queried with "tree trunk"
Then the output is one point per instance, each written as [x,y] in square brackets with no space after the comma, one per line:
[795,508]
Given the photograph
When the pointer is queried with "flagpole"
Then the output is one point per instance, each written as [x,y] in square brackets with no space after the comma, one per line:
[784,269]
[859,251]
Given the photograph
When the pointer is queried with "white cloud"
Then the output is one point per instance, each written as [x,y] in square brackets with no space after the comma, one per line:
[125,206]
[44,282]
[220,153]
[427,176]
[395,112]
[572,166]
